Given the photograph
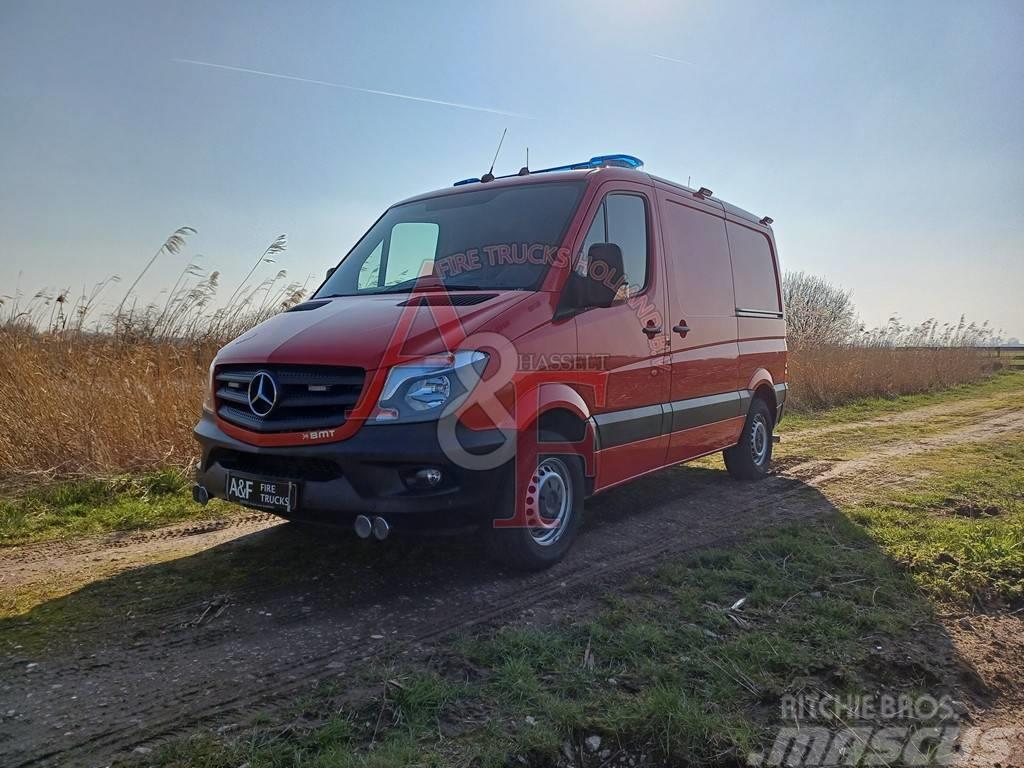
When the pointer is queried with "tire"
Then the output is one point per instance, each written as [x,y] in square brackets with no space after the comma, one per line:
[559,489]
[751,457]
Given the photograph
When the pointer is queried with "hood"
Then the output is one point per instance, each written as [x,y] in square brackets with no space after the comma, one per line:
[355,330]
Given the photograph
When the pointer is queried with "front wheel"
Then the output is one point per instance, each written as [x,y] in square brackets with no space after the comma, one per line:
[555,493]
[751,457]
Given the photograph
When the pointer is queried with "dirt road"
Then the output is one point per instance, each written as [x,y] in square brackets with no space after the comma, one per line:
[207,625]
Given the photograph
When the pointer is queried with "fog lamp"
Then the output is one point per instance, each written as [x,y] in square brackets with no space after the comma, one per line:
[423,479]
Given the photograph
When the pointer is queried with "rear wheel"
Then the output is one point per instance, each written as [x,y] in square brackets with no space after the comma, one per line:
[751,457]
[555,493]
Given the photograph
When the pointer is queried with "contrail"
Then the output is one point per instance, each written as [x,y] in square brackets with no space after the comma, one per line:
[405,96]
[674,61]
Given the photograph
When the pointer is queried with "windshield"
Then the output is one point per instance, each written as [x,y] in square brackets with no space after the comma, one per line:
[502,239]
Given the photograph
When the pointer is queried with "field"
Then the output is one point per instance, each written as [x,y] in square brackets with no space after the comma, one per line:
[886,556]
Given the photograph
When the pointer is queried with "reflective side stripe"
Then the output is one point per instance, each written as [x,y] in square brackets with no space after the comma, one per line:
[698,411]
[630,425]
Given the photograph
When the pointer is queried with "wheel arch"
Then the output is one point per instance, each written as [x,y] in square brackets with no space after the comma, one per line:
[560,414]
[552,403]
[762,387]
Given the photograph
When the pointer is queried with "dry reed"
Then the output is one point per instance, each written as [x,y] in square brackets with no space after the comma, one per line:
[97,394]
[822,377]
[87,405]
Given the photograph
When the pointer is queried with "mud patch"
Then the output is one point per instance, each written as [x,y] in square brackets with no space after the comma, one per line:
[968,509]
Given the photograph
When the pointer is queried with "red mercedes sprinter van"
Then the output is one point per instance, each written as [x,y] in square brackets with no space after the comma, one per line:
[490,354]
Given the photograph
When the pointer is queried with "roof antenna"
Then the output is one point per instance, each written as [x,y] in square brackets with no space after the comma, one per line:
[489,176]
[525,170]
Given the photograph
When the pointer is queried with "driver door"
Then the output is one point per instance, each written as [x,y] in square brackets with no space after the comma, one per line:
[628,339]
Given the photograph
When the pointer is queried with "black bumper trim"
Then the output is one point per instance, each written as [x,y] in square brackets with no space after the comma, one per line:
[781,391]
[368,476]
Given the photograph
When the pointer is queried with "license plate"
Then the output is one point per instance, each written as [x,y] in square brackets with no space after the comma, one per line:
[276,495]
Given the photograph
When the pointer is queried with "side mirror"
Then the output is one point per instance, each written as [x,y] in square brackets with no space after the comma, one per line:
[330,272]
[604,276]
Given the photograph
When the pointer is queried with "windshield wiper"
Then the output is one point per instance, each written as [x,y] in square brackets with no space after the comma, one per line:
[408,286]
[464,287]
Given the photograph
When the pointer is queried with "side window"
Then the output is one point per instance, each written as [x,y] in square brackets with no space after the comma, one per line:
[627,228]
[412,244]
[753,269]
[370,269]
[596,234]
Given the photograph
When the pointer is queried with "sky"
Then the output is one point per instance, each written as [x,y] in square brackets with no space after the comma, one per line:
[886,140]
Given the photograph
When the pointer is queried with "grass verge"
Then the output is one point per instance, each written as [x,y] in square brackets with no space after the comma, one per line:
[82,507]
[958,530]
[1005,383]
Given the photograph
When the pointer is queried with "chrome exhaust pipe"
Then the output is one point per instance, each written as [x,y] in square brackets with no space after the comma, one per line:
[200,495]
[381,529]
[363,527]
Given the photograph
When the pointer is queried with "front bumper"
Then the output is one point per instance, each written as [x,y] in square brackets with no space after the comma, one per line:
[363,475]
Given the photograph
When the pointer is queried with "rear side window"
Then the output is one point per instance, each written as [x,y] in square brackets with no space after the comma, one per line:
[753,270]
[699,251]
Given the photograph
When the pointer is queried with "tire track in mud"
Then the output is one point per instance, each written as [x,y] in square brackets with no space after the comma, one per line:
[28,553]
[275,644]
[26,563]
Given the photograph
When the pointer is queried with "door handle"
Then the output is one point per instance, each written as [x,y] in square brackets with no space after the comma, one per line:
[652,330]
[682,328]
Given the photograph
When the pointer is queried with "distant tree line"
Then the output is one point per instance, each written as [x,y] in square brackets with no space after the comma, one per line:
[821,314]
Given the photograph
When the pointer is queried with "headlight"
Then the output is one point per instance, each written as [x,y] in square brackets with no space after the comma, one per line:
[428,388]
[208,395]
[426,394]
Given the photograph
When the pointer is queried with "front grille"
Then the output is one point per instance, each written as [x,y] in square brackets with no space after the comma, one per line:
[270,465]
[308,396]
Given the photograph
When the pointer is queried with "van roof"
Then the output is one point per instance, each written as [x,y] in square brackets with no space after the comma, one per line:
[588,174]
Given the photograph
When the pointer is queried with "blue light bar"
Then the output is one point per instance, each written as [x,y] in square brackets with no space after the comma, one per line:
[620,161]
[599,161]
